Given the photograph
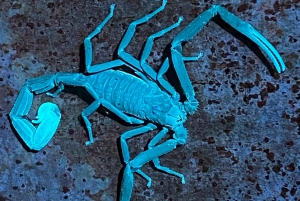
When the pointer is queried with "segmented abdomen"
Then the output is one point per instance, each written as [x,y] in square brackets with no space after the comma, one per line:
[123,90]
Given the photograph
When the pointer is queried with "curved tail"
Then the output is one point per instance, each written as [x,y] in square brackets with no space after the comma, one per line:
[48,113]
[47,120]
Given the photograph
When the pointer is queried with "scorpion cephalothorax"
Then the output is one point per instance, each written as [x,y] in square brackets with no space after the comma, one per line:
[141,97]
[161,108]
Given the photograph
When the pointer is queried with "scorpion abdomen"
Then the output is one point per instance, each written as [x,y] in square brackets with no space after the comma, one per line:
[125,91]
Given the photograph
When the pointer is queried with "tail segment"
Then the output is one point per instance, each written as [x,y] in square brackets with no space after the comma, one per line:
[48,114]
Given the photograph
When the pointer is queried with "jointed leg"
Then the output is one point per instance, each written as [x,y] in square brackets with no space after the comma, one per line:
[127,180]
[156,161]
[151,154]
[178,61]
[167,86]
[146,52]
[144,157]
[191,104]
[89,53]
[61,87]
[128,36]
[164,68]
[129,134]
[95,105]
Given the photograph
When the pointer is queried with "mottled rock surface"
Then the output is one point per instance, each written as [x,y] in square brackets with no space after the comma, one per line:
[243,141]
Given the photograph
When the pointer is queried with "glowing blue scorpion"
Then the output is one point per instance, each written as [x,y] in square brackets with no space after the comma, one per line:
[143,96]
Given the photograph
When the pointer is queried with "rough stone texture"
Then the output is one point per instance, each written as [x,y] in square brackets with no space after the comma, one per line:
[243,141]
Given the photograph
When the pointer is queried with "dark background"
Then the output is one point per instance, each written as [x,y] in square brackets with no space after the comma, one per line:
[243,141]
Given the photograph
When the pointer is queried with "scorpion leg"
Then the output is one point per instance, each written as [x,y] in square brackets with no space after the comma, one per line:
[129,35]
[163,69]
[88,49]
[127,181]
[61,87]
[135,165]
[156,161]
[195,26]
[146,52]
[48,120]
[191,104]
[95,105]
[132,133]
[165,66]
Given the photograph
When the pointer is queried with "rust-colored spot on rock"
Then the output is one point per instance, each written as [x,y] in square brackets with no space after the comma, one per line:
[270,155]
[65,189]
[209,140]
[39,163]
[290,167]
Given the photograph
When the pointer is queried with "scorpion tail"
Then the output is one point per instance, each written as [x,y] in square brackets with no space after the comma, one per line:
[48,113]
[127,184]
[48,120]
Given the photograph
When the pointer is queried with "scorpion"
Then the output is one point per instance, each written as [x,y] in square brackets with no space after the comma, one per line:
[143,97]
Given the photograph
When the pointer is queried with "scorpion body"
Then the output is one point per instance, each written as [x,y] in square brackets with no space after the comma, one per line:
[123,91]
[143,96]
[132,95]
[117,86]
